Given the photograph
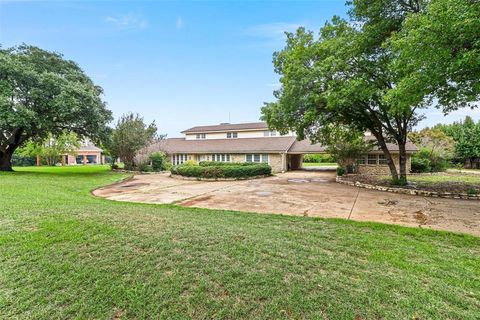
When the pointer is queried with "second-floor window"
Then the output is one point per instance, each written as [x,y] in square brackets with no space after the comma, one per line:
[269,133]
[201,136]
[231,135]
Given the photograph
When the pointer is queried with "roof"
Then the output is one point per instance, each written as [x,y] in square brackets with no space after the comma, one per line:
[243,145]
[306,146]
[409,146]
[287,144]
[228,127]
[89,148]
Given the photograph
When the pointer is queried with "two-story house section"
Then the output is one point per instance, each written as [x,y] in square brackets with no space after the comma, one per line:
[252,142]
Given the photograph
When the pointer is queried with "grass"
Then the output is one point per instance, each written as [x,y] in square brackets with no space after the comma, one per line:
[319,164]
[442,178]
[66,254]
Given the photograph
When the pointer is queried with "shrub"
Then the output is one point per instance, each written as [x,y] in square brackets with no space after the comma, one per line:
[421,165]
[318,158]
[223,171]
[340,171]
[158,160]
[23,161]
[144,167]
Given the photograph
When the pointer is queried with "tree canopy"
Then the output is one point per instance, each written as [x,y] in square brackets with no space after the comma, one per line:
[43,94]
[129,136]
[350,76]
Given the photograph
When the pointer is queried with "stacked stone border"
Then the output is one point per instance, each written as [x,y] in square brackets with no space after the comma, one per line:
[414,192]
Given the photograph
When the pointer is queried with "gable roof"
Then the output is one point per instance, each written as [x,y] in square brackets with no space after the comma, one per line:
[286,144]
[89,148]
[243,145]
[228,127]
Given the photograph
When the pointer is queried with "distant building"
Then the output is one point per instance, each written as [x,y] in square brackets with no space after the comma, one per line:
[86,154]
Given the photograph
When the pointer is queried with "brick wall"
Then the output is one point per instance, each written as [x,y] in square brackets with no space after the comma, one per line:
[383,169]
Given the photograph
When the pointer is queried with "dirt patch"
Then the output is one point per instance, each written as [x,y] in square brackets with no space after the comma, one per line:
[193,202]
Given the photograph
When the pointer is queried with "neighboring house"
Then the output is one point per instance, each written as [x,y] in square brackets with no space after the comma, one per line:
[254,142]
[86,154]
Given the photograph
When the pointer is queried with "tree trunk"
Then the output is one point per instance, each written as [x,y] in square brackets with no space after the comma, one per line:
[402,162]
[6,160]
[388,156]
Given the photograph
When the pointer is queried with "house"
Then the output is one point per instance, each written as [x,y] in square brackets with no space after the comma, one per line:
[86,154]
[254,142]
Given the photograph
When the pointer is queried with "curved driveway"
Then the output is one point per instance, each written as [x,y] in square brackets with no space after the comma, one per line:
[302,193]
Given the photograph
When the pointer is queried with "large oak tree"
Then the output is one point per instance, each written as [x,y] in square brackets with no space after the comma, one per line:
[350,75]
[41,93]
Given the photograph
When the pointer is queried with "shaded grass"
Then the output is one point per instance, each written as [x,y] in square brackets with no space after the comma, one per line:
[65,254]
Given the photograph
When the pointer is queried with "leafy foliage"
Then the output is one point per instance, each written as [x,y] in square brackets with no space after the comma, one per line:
[51,148]
[129,136]
[319,158]
[214,170]
[159,161]
[436,150]
[43,95]
[355,73]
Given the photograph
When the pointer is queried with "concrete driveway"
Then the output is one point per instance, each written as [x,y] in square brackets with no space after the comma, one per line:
[302,193]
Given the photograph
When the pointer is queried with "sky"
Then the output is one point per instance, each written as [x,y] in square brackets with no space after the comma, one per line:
[180,63]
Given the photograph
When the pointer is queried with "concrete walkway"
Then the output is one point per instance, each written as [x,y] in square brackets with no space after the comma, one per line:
[302,193]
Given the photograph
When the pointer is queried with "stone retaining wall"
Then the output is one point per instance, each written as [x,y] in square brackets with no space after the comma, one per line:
[414,192]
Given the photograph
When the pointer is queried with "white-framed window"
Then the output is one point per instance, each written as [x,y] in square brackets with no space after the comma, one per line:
[179,159]
[269,133]
[232,135]
[221,157]
[382,160]
[371,158]
[201,135]
[256,157]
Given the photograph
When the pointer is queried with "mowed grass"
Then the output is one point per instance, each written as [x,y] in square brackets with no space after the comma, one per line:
[319,164]
[446,177]
[65,254]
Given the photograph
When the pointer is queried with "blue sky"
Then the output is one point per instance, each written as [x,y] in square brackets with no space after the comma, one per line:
[180,63]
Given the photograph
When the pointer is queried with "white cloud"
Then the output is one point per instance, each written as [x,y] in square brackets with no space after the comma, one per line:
[127,21]
[179,23]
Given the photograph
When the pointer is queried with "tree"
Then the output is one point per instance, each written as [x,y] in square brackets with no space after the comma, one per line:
[436,149]
[51,148]
[466,135]
[438,56]
[345,144]
[347,77]
[130,135]
[40,94]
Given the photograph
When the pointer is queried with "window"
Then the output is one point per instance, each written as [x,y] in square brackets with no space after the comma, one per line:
[269,133]
[361,160]
[201,136]
[256,157]
[231,135]
[178,159]
[221,157]
[381,159]
[372,159]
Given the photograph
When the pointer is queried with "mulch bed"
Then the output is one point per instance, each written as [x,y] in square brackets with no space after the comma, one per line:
[440,187]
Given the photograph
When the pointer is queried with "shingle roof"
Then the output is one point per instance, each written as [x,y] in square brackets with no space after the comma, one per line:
[409,146]
[228,127]
[264,144]
[89,148]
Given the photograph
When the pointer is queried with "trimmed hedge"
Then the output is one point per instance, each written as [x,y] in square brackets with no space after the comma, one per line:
[223,171]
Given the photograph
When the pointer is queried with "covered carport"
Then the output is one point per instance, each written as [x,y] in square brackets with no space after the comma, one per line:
[298,150]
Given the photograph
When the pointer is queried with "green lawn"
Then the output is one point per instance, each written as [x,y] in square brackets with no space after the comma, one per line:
[319,164]
[66,254]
